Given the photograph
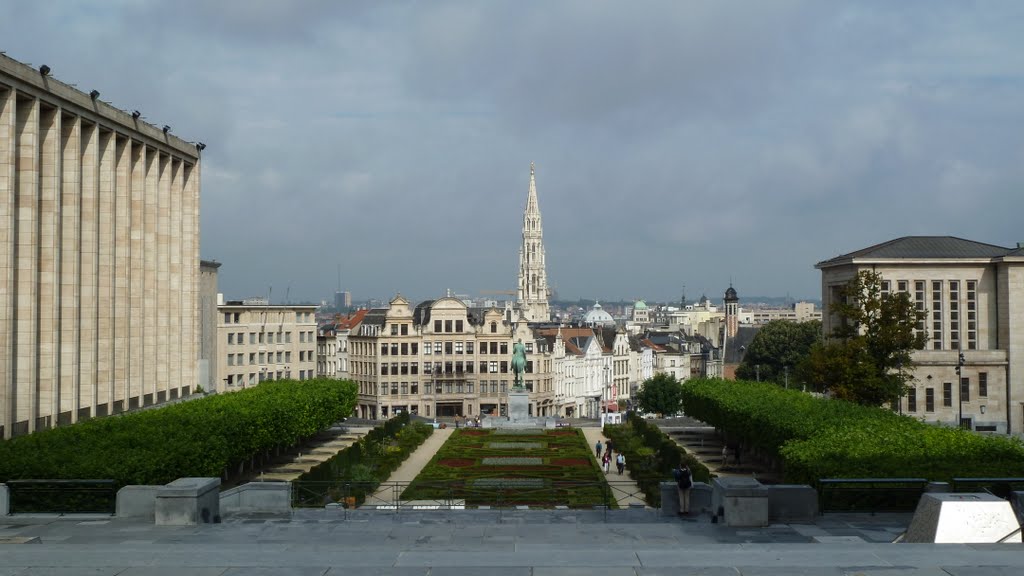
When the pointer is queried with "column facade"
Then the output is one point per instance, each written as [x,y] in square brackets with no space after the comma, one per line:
[99,257]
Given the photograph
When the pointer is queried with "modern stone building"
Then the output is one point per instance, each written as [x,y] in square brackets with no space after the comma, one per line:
[259,341]
[99,256]
[209,298]
[973,295]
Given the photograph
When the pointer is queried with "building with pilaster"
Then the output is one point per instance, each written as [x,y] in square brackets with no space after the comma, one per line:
[99,256]
[973,297]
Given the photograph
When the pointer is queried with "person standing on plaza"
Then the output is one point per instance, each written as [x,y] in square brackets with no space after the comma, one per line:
[597,448]
[684,481]
[620,463]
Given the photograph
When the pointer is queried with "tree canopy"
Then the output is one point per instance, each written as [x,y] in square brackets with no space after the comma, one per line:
[778,344]
[661,394]
[871,343]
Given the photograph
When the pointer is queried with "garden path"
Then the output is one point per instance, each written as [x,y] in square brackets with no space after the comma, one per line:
[412,465]
[623,487]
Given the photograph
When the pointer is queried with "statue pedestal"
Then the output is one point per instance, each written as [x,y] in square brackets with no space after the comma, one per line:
[518,414]
[519,406]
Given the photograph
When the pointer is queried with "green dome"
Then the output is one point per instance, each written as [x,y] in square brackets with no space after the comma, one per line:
[640,305]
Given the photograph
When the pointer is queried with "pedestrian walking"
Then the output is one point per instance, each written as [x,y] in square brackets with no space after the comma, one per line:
[597,448]
[620,463]
[684,481]
[725,454]
[606,461]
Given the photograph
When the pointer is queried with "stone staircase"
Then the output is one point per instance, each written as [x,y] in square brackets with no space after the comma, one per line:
[319,449]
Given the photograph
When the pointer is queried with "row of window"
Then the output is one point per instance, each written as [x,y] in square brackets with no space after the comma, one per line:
[413,388]
[947,393]
[300,317]
[269,337]
[269,357]
[492,367]
[937,331]
[448,348]
[257,377]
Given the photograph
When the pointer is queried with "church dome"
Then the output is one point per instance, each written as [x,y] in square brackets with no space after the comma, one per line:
[598,317]
[640,305]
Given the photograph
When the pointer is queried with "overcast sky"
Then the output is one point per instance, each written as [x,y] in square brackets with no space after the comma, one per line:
[676,143]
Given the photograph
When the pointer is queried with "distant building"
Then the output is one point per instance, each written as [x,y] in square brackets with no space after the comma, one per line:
[209,299]
[99,253]
[260,341]
[973,295]
[342,301]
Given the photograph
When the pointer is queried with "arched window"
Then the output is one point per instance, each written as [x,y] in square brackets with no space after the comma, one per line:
[494,327]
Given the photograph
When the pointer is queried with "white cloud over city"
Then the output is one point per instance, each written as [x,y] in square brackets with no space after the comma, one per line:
[676,143]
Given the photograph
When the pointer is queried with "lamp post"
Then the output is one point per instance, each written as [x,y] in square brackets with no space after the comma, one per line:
[960,383]
[604,387]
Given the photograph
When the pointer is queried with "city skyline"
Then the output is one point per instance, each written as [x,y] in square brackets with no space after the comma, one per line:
[676,144]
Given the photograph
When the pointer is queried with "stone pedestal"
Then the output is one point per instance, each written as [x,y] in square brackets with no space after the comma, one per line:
[518,414]
[962,518]
[743,501]
[188,501]
[519,406]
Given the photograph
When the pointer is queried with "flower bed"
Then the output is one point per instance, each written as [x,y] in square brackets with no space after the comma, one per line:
[560,470]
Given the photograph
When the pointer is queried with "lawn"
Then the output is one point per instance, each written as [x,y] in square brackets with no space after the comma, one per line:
[500,467]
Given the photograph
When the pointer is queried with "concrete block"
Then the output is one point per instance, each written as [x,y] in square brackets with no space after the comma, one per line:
[669,499]
[962,518]
[938,487]
[743,501]
[5,501]
[700,498]
[137,502]
[258,497]
[792,503]
[188,501]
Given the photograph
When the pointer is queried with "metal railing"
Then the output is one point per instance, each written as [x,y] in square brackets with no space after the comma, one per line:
[32,496]
[1001,487]
[508,493]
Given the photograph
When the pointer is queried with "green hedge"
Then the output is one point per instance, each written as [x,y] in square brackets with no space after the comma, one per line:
[651,456]
[824,438]
[202,437]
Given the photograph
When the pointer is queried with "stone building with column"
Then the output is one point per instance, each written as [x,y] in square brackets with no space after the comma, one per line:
[972,294]
[259,341]
[99,256]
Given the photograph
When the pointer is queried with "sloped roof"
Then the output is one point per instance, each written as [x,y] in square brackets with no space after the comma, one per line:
[351,321]
[744,336]
[920,247]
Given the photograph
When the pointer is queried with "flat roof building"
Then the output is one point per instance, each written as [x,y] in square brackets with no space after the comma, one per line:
[99,256]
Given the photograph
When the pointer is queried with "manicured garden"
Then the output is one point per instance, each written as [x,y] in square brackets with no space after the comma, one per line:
[496,467]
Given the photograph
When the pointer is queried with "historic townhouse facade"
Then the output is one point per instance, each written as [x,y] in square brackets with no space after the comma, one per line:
[99,256]
[442,359]
[258,341]
[973,297]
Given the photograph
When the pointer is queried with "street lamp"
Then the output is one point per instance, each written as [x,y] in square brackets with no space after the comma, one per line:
[604,387]
[960,382]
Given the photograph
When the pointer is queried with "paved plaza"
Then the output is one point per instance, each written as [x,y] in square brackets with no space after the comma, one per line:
[486,542]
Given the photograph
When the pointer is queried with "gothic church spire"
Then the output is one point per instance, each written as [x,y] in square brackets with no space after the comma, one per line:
[532,294]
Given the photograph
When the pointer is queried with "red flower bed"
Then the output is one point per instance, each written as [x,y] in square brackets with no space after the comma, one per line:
[456,462]
[561,433]
[475,432]
[571,462]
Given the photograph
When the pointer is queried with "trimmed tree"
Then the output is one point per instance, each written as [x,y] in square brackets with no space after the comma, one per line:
[872,341]
[662,394]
